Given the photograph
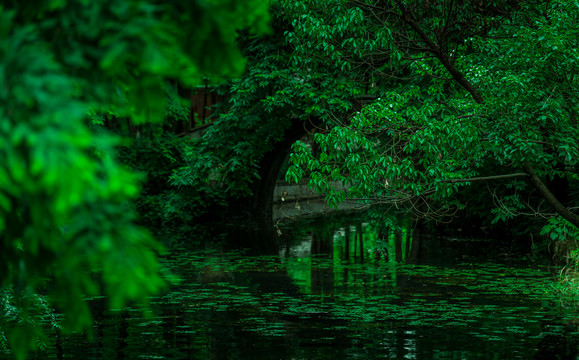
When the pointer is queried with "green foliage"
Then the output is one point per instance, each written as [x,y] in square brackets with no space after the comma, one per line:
[559,229]
[273,90]
[461,93]
[168,207]
[27,333]
[413,102]
[564,238]
[65,203]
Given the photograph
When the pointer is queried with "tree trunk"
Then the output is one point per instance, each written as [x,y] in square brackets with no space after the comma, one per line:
[551,199]
[459,77]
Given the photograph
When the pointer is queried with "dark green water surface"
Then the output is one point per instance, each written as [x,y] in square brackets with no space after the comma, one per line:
[339,292]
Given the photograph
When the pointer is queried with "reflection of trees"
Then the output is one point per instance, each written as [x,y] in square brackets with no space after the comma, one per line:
[346,243]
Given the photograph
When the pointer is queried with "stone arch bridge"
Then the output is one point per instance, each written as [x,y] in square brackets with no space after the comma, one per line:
[268,197]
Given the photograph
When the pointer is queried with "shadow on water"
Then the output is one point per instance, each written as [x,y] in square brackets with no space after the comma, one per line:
[337,288]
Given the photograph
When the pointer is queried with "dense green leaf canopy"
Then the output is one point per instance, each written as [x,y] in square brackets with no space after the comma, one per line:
[65,207]
[464,91]
[420,101]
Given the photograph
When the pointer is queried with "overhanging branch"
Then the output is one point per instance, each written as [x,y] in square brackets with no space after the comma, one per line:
[458,76]
[550,198]
[485,178]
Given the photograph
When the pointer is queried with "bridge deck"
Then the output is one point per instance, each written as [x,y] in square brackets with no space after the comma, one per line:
[298,200]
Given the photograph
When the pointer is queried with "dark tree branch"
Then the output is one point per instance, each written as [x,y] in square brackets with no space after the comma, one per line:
[485,178]
[441,55]
[407,17]
[550,198]
[564,212]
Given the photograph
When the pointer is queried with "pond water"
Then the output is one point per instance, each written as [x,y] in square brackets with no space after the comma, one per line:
[338,289]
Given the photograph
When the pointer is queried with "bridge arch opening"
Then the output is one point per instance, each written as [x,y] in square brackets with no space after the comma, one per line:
[273,166]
